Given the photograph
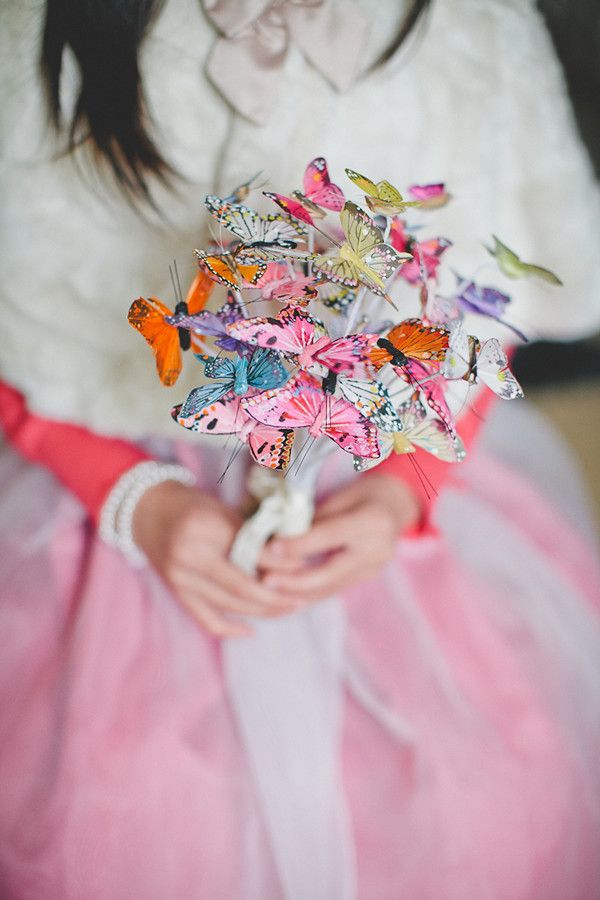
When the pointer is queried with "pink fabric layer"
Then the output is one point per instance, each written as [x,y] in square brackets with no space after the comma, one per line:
[121,774]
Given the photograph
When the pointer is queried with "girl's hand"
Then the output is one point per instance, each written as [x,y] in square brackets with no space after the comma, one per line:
[187,536]
[353,535]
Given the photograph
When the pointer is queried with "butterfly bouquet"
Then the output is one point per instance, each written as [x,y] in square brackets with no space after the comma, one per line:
[313,345]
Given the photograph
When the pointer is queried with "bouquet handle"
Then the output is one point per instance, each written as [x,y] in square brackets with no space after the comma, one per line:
[284,686]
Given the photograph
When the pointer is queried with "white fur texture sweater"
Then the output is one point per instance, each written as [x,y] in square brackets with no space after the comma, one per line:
[477,100]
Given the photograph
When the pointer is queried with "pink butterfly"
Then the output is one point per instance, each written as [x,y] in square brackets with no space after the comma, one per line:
[279,284]
[426,253]
[270,447]
[419,374]
[431,196]
[318,193]
[294,332]
[302,403]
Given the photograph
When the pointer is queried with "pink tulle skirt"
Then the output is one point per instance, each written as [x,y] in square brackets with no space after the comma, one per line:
[472,774]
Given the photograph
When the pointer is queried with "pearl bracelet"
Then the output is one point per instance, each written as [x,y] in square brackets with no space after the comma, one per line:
[116,518]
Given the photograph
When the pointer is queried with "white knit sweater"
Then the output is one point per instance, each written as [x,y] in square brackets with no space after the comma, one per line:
[477,100]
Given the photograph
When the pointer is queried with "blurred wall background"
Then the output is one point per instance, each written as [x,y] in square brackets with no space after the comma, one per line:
[564,379]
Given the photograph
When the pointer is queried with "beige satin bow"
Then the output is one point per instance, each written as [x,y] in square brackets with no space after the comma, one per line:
[245,63]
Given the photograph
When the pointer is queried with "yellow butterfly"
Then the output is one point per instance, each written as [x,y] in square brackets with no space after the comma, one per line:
[382,197]
[363,258]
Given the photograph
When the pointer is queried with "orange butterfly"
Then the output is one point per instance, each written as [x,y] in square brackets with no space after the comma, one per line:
[150,317]
[410,340]
[232,268]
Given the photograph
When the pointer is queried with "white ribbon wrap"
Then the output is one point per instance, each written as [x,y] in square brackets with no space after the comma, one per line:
[285,687]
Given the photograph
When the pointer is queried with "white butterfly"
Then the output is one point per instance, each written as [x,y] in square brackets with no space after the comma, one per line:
[418,431]
[466,358]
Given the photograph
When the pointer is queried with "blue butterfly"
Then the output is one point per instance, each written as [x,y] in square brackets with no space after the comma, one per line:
[264,370]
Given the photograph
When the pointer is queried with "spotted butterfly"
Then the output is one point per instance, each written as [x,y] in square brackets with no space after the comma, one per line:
[270,447]
[426,254]
[417,431]
[466,358]
[426,378]
[233,268]
[263,237]
[302,403]
[318,193]
[297,334]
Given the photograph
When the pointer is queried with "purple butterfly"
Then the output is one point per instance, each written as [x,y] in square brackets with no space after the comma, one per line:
[215,325]
[486,301]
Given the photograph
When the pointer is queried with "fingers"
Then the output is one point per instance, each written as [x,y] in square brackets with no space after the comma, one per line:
[320,581]
[322,537]
[211,590]
[216,623]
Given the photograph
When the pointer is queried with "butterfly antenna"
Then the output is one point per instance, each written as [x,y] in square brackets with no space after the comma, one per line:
[423,479]
[236,452]
[470,407]
[174,285]
[328,237]
[179,291]
[514,329]
[305,449]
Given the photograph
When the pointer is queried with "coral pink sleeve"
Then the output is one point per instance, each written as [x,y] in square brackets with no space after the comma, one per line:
[425,474]
[86,463]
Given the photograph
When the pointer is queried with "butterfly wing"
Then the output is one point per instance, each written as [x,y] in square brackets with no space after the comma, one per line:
[349,429]
[339,299]
[413,340]
[149,317]
[292,331]
[225,416]
[338,270]
[219,367]
[266,371]
[239,194]
[418,374]
[232,309]
[224,268]
[250,227]
[361,232]
[430,435]
[457,363]
[349,354]
[383,260]
[271,447]
[296,405]
[199,292]
[493,370]
[319,188]
[431,196]
[541,273]
[201,397]
[291,206]
[373,401]
[363,183]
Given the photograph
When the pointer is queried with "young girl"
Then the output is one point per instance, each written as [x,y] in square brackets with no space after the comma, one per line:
[433,729]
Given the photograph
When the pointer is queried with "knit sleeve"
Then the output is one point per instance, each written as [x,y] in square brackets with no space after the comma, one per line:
[88,464]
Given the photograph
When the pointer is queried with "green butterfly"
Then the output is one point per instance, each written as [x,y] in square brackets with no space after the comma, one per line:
[512,266]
